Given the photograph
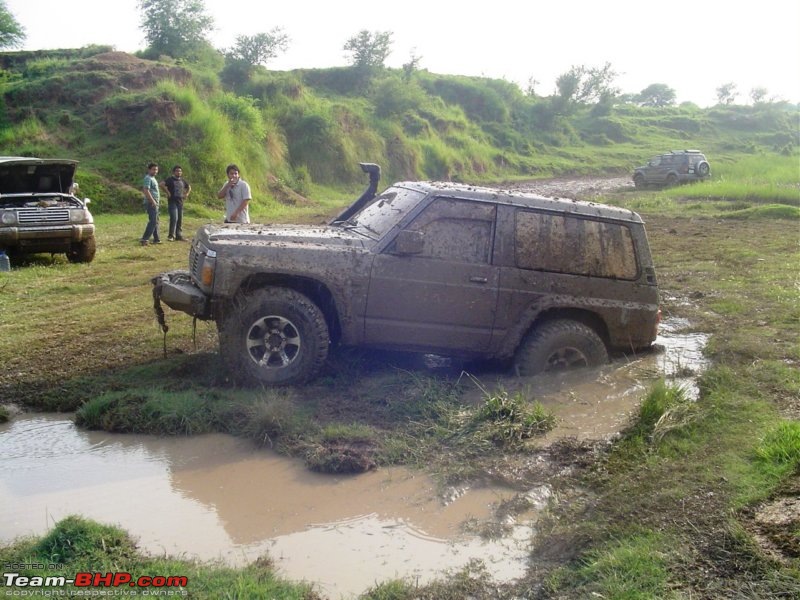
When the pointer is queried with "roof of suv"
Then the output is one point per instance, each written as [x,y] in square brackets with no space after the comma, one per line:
[32,160]
[525,200]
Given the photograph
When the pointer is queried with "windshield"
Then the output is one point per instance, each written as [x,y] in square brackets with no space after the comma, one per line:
[384,212]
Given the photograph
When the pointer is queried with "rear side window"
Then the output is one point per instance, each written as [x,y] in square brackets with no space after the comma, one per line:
[574,245]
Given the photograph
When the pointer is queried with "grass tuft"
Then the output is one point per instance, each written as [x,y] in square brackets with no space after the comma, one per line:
[510,419]
[76,538]
[781,446]
[664,409]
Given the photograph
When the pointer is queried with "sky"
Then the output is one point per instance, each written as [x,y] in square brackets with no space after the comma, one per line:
[693,46]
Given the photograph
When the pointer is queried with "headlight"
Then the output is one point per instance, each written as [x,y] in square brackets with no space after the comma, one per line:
[9,217]
[207,272]
[77,215]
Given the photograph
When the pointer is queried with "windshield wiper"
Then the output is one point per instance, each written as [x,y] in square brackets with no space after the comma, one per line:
[353,225]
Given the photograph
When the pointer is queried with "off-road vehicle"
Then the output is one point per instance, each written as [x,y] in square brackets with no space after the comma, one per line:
[40,211]
[426,267]
[672,168]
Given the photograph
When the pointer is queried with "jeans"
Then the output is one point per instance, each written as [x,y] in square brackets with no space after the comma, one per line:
[175,209]
[152,223]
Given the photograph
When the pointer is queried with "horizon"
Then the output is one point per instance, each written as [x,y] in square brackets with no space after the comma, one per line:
[766,53]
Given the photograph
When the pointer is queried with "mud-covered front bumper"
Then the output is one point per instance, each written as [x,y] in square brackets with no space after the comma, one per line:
[43,234]
[176,290]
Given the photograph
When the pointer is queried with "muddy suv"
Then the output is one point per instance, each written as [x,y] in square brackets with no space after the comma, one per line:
[39,211]
[672,168]
[425,267]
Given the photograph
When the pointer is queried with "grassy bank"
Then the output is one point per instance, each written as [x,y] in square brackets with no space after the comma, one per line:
[671,509]
[76,545]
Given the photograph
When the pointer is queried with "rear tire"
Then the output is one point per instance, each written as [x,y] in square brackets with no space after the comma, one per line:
[703,169]
[82,252]
[560,345]
[274,336]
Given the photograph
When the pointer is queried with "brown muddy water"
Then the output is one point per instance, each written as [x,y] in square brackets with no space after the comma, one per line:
[215,497]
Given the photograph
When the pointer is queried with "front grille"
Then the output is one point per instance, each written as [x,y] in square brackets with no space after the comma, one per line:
[195,262]
[26,216]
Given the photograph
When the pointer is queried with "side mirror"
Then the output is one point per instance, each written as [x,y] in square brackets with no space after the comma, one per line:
[409,242]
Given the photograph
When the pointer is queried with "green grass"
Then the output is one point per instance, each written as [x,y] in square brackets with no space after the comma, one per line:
[645,528]
[762,179]
[780,448]
[634,568]
[76,545]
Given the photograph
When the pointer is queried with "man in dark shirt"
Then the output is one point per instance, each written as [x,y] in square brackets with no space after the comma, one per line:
[178,189]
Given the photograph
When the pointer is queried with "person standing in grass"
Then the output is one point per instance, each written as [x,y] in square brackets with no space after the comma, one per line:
[178,190]
[151,199]
[237,196]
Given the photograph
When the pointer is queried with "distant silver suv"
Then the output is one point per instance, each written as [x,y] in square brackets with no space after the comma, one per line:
[39,211]
[672,168]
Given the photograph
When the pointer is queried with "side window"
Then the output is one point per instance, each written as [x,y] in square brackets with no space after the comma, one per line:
[457,230]
[578,246]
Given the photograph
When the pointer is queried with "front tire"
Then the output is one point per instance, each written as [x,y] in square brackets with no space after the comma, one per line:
[560,345]
[638,181]
[82,252]
[274,336]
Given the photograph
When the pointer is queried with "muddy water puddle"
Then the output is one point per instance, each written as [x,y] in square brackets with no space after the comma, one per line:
[215,497]
[595,404]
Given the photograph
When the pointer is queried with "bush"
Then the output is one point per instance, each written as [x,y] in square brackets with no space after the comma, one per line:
[394,97]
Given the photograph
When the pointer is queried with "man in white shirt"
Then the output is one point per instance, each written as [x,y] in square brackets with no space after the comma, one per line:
[236,193]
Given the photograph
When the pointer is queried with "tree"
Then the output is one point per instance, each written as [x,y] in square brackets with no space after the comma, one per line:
[412,66]
[12,34]
[758,94]
[530,89]
[369,49]
[174,27]
[726,93]
[260,48]
[657,94]
[587,84]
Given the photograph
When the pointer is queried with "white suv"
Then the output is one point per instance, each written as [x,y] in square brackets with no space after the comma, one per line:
[39,211]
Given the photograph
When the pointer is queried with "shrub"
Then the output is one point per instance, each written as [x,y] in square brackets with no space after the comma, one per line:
[394,97]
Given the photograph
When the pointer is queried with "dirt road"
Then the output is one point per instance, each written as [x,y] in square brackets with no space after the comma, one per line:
[576,188]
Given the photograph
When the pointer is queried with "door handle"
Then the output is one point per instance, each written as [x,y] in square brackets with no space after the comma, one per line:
[479,280]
